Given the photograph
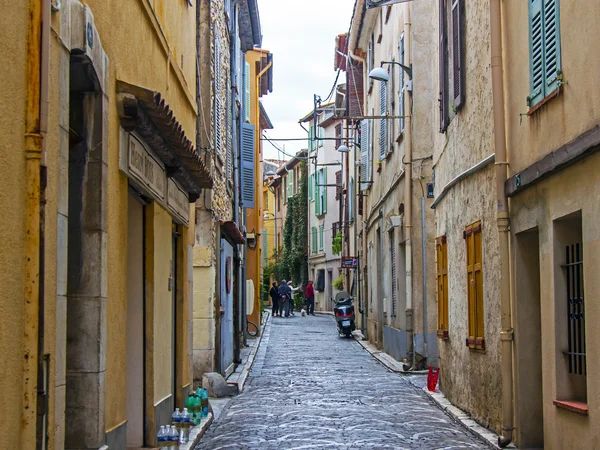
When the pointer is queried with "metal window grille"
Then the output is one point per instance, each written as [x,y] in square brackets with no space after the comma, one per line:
[575,312]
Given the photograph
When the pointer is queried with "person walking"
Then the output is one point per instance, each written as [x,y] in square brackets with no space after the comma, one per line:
[274,293]
[285,295]
[291,304]
[310,298]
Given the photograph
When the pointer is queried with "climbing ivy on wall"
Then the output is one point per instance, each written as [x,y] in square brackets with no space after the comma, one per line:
[295,242]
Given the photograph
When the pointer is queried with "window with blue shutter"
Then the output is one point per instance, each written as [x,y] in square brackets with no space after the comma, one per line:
[247,106]
[382,122]
[544,49]
[248,165]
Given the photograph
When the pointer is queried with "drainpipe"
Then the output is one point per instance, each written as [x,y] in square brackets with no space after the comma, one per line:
[33,146]
[503,222]
[408,197]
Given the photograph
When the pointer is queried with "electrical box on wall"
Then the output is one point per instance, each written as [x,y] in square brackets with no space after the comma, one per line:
[429,190]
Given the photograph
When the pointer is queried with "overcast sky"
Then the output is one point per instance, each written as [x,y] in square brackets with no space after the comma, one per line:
[301,35]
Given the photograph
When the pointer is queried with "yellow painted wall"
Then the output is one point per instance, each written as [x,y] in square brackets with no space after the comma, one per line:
[13,32]
[539,206]
[254,216]
[577,108]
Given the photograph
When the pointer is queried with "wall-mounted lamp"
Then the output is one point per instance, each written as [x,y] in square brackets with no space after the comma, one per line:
[379,74]
[343,149]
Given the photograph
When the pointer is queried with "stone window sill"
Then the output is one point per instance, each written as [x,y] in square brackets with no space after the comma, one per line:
[573,406]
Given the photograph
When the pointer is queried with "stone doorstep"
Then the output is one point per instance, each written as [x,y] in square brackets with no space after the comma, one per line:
[440,400]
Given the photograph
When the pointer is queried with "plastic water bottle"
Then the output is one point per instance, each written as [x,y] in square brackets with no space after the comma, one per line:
[204,403]
[173,437]
[162,437]
[176,419]
[185,426]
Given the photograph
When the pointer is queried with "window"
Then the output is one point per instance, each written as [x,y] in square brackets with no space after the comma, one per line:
[441,250]
[338,135]
[394,273]
[352,195]
[544,44]
[247,106]
[321,193]
[265,249]
[452,59]
[321,133]
[290,183]
[458,53]
[576,312]
[383,122]
[472,237]
[366,153]
[321,237]
[338,185]
[312,145]
[311,185]
[313,235]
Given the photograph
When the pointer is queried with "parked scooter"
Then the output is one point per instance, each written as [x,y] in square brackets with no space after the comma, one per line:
[344,313]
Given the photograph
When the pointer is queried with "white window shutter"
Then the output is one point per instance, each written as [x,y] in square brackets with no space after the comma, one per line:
[247,105]
[364,153]
[382,122]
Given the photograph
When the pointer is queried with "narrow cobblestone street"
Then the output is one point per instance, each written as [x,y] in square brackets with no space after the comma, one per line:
[310,389]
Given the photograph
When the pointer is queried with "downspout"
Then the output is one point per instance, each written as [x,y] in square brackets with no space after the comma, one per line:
[408,198]
[33,147]
[503,222]
[43,375]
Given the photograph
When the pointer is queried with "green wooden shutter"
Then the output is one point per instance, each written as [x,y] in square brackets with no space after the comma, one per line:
[318,193]
[313,233]
[321,133]
[536,52]
[310,186]
[321,232]
[247,93]
[551,45]
[290,183]
[311,138]
[324,187]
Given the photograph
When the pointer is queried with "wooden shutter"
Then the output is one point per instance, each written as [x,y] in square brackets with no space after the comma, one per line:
[536,45]
[364,154]
[442,285]
[443,67]
[394,274]
[351,197]
[402,109]
[321,231]
[248,165]
[247,105]
[458,53]
[382,122]
[338,187]
[290,183]
[265,248]
[475,286]
[229,133]
[324,187]
[314,239]
[552,66]
[218,92]
[311,185]
[370,148]
[318,182]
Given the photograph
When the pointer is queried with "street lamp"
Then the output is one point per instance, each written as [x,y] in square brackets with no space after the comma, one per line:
[343,149]
[379,74]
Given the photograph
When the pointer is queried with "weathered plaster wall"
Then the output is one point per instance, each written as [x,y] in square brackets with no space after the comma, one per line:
[470,379]
[13,34]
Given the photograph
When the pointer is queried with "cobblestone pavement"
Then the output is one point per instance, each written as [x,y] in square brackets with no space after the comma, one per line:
[310,389]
